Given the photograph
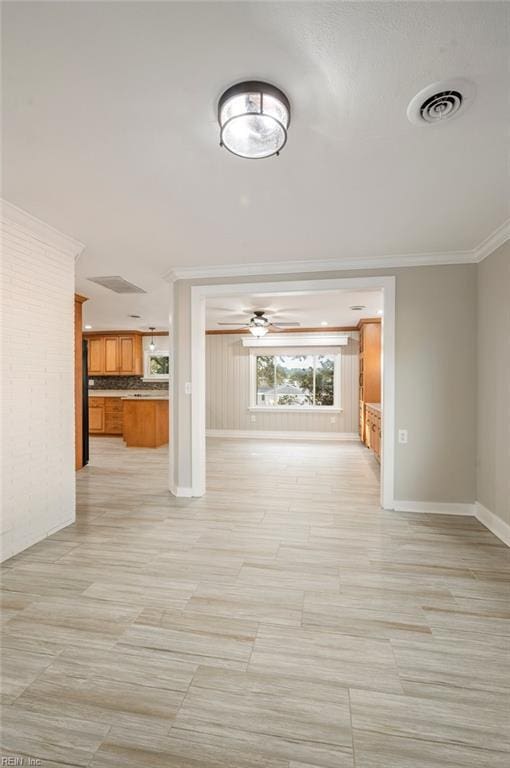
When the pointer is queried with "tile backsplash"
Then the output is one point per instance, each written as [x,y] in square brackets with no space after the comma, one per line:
[126,382]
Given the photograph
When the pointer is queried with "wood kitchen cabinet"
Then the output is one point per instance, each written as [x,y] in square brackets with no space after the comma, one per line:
[114,354]
[369,372]
[96,415]
[373,429]
[105,415]
[145,422]
[95,355]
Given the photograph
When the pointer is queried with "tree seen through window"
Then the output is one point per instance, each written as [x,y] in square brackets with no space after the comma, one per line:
[295,380]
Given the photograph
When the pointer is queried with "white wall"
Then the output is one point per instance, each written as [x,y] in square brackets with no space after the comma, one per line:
[228,392]
[37,380]
[493,471]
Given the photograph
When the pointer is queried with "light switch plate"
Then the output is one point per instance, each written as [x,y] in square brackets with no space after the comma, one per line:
[402,436]
[91,382]
[187,388]
[253,418]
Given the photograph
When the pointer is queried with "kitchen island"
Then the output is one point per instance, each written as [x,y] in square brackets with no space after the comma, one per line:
[145,421]
[146,426]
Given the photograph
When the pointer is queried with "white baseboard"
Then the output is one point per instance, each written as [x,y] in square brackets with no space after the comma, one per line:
[181,491]
[11,548]
[495,524]
[435,507]
[262,434]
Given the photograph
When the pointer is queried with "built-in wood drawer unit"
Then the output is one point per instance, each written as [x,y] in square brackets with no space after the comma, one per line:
[105,415]
[113,415]
[115,354]
[373,429]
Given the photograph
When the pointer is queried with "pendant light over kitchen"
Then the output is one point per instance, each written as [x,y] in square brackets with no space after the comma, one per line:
[254,118]
[152,345]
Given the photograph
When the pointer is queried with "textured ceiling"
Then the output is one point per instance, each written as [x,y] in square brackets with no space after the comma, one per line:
[110,131]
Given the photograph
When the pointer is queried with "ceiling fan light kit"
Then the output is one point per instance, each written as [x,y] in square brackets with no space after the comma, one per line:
[254,118]
[259,330]
[259,324]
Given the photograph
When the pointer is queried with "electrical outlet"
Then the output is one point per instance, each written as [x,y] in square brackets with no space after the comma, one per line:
[332,420]
[253,418]
[402,436]
[91,382]
[187,388]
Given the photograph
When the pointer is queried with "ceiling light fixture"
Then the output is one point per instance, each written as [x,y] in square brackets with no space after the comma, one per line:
[258,330]
[254,118]
[324,323]
[259,324]
[88,327]
[152,345]
[357,307]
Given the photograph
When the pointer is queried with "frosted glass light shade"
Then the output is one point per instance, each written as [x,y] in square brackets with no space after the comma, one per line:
[258,330]
[254,118]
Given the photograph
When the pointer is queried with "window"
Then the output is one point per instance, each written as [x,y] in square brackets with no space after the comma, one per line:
[156,365]
[296,381]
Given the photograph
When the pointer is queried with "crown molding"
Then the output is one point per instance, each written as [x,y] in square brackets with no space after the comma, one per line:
[472,256]
[493,241]
[40,230]
[318,265]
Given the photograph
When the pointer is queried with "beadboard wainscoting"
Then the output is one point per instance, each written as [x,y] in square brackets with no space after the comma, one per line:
[228,393]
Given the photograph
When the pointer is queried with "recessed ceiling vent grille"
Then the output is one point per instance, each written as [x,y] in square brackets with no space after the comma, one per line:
[440,101]
[117,284]
[441,106]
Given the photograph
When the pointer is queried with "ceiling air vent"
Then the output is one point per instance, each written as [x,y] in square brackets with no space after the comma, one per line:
[117,284]
[440,101]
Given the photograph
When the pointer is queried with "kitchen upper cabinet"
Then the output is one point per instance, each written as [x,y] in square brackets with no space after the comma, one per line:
[111,355]
[96,355]
[115,354]
[128,353]
[369,371]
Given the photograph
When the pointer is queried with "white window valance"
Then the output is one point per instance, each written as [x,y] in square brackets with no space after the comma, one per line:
[287,340]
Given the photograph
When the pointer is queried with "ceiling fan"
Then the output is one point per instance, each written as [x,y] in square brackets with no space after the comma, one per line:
[259,324]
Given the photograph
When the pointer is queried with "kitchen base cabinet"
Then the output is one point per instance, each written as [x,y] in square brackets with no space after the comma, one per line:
[145,422]
[96,415]
[373,428]
[105,416]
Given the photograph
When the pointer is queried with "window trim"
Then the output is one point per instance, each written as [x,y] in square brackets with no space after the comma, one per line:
[147,376]
[335,408]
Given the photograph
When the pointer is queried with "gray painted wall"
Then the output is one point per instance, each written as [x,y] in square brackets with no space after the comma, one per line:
[435,377]
[493,470]
[228,391]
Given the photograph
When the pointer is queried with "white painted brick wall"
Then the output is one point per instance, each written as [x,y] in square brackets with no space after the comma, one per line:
[37,381]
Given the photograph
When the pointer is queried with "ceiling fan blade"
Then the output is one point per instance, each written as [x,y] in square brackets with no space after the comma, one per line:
[240,325]
[286,325]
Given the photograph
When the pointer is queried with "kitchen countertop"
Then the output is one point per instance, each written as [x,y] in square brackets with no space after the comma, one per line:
[129,393]
[374,406]
[144,398]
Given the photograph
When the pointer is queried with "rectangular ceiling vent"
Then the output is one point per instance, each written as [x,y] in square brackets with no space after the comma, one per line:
[117,284]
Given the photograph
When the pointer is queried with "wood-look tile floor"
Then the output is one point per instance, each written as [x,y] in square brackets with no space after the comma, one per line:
[282,621]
